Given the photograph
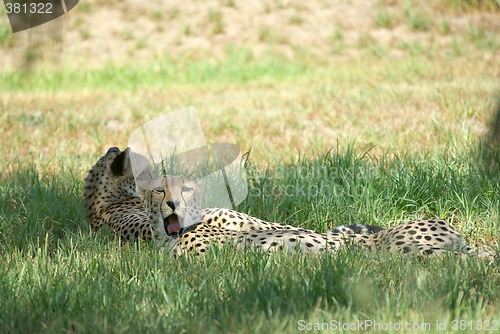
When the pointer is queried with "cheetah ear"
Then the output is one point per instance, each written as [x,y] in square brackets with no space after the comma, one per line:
[112,150]
[121,164]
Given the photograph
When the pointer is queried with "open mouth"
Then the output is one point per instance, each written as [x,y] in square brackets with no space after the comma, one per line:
[172,224]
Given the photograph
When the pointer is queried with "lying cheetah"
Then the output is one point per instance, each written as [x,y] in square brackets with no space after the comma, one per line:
[111,199]
[227,226]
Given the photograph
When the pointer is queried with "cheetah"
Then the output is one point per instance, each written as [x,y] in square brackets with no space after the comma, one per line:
[111,198]
[221,226]
[160,198]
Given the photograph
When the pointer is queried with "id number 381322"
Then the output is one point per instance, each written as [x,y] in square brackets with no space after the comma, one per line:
[28,8]
[475,325]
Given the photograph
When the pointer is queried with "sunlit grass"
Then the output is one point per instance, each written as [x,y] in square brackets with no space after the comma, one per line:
[265,106]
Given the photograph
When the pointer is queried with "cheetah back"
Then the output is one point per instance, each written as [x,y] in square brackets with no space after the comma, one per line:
[111,199]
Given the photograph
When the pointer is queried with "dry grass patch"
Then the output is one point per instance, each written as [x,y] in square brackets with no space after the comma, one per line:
[410,106]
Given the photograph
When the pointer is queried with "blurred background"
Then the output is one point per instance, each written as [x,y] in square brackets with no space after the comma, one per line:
[101,31]
[272,76]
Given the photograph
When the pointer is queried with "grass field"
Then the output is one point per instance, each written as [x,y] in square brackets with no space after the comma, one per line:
[367,133]
[56,275]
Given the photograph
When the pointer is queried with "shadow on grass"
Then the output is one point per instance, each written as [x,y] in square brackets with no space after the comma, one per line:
[36,208]
[269,291]
[345,187]
[339,188]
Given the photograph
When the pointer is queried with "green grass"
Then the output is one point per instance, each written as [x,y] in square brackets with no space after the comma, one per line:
[384,19]
[482,38]
[296,19]
[337,41]
[416,19]
[236,69]
[416,121]
[215,18]
[56,275]
[470,5]
[5,34]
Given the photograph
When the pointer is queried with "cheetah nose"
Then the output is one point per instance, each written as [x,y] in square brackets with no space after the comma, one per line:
[171,205]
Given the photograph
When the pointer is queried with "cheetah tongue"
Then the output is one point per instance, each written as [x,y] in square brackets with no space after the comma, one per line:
[173,224]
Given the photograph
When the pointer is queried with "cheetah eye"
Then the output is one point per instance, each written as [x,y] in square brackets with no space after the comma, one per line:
[185,189]
[160,190]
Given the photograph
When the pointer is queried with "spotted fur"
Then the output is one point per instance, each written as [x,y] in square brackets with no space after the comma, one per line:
[221,226]
[111,198]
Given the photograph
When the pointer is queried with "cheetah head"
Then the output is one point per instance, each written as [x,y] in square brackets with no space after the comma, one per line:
[173,202]
[109,181]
